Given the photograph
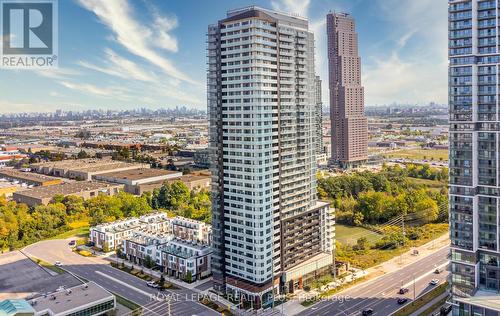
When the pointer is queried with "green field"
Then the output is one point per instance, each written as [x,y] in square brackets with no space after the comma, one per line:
[350,234]
[80,232]
[419,154]
[431,184]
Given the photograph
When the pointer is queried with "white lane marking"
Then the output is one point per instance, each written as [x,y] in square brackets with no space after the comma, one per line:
[426,274]
[124,284]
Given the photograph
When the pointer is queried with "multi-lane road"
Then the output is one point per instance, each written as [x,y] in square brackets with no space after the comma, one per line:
[178,302]
[381,294]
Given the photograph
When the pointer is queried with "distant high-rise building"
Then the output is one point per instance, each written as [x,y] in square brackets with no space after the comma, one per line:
[270,233]
[474,192]
[349,124]
[320,148]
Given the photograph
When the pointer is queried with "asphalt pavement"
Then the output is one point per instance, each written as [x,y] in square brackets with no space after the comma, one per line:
[182,301]
[381,294]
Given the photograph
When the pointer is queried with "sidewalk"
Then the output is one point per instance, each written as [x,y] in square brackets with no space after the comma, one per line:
[157,274]
[294,307]
[408,257]
[420,312]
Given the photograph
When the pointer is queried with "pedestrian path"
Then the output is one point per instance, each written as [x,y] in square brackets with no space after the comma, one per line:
[420,312]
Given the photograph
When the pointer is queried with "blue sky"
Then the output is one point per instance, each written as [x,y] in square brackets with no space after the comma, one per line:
[123,54]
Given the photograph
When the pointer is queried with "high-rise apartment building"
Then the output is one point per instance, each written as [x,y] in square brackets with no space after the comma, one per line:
[347,111]
[474,59]
[270,233]
[320,147]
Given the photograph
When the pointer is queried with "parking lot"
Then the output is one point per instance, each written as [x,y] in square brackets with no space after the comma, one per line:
[20,277]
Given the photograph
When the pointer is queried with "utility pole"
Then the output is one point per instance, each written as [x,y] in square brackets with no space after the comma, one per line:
[414,292]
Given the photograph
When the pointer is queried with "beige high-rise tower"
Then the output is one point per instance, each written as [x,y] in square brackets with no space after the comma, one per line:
[349,124]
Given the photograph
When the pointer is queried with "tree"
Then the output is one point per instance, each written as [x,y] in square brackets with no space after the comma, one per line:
[161,283]
[82,154]
[361,244]
[189,277]
[149,262]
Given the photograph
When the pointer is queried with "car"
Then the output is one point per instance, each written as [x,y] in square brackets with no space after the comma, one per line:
[403,290]
[72,243]
[402,300]
[152,284]
[367,311]
[437,271]
[58,263]
[434,282]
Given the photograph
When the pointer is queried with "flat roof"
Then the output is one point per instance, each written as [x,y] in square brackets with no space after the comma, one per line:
[485,299]
[140,173]
[88,165]
[65,189]
[190,178]
[71,298]
[27,176]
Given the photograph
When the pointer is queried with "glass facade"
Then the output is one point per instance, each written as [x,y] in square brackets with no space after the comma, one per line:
[473,48]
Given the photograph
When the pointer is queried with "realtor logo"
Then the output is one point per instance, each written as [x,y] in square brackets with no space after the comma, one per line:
[29,34]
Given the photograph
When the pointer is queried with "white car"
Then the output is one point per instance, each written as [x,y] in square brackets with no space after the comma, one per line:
[58,263]
[434,282]
[152,284]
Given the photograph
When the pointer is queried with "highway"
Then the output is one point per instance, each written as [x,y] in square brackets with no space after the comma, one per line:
[381,294]
[182,301]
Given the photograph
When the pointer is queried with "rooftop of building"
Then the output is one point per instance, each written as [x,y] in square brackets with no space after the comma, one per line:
[67,299]
[147,237]
[11,307]
[130,223]
[27,176]
[67,188]
[191,178]
[485,299]
[176,245]
[89,165]
[139,173]
[180,219]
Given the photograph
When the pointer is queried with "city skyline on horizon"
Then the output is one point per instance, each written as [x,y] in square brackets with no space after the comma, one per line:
[109,66]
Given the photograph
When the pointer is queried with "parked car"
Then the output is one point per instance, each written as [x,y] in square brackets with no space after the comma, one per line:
[403,290]
[58,264]
[72,243]
[434,282]
[367,312]
[402,300]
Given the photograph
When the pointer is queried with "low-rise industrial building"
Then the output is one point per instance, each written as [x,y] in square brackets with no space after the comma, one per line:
[28,178]
[84,189]
[195,182]
[84,169]
[133,178]
[87,299]
[7,189]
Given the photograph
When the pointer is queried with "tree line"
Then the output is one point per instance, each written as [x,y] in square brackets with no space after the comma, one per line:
[368,198]
[21,225]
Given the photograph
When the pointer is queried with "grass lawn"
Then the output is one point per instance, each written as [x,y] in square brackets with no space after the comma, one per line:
[348,235]
[419,154]
[48,266]
[78,229]
[422,300]
[371,257]
[431,184]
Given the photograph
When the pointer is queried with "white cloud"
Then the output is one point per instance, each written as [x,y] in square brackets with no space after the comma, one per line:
[93,90]
[118,66]
[300,7]
[137,38]
[410,73]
